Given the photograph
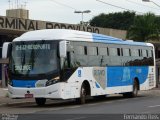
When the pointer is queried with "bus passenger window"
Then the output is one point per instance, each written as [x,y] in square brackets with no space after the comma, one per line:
[150,53]
[113,51]
[92,51]
[103,51]
[126,52]
[144,53]
[79,50]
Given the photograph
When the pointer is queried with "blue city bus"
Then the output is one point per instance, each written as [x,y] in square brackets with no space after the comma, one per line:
[70,64]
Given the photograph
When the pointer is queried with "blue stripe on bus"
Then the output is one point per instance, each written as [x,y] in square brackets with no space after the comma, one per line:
[97,86]
[109,40]
[24,83]
[105,38]
[123,76]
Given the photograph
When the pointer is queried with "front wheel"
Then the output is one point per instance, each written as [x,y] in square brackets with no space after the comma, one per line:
[83,94]
[40,101]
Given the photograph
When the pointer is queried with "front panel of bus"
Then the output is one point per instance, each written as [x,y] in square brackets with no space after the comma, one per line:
[34,64]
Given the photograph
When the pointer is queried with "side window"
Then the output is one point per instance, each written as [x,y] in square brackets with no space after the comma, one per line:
[150,54]
[126,52]
[112,51]
[103,51]
[135,52]
[144,53]
[92,51]
[79,50]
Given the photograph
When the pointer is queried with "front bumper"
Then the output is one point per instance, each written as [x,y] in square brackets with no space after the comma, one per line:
[53,91]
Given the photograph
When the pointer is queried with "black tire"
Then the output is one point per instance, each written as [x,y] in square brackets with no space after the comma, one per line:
[135,89]
[83,94]
[40,101]
[134,93]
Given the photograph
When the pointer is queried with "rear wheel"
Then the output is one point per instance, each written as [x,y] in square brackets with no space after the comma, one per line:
[135,89]
[40,101]
[134,93]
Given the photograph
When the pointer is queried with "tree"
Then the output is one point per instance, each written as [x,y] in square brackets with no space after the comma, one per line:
[144,28]
[120,20]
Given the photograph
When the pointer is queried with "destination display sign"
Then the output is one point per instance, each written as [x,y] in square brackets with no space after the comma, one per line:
[34,47]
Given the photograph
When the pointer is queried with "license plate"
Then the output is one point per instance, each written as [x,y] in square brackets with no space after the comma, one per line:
[28,95]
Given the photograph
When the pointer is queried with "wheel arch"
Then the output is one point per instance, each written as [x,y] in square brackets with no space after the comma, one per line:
[87,87]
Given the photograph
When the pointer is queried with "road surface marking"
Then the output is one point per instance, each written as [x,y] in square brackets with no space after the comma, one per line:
[74,107]
[154,106]
[57,109]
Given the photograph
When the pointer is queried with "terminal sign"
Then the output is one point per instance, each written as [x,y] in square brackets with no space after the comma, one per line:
[27,25]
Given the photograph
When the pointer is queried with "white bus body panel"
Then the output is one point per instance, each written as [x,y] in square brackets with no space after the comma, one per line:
[71,88]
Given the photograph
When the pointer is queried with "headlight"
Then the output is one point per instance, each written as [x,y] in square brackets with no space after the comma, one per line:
[51,82]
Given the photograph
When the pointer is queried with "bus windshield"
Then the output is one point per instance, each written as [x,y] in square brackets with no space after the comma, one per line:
[34,58]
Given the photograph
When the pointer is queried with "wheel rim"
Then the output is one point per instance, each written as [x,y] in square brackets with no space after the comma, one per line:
[83,92]
[135,91]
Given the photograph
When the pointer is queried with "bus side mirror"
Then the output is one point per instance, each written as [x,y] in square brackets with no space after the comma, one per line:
[6,49]
[63,49]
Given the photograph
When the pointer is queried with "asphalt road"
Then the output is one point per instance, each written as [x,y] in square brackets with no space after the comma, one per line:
[112,105]
[109,108]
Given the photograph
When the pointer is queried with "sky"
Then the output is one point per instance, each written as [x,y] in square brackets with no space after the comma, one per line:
[62,11]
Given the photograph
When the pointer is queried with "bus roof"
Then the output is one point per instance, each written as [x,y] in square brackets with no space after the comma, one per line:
[73,35]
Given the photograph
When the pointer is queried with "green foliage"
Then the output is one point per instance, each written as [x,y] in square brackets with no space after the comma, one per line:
[144,28]
[120,20]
